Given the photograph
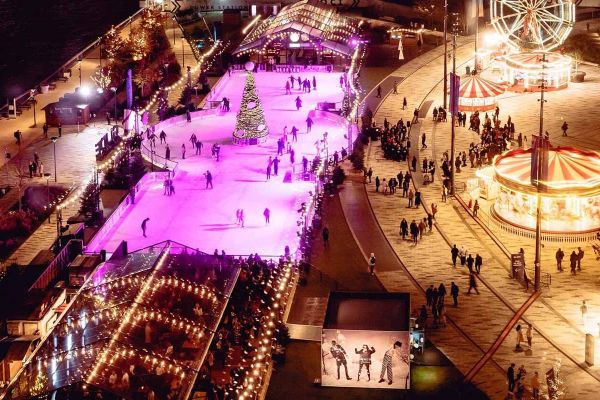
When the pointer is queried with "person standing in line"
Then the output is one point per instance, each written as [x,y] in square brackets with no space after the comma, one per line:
[510,375]
[472,283]
[454,255]
[559,257]
[372,264]
[529,335]
[267,214]
[454,293]
[144,226]
[325,234]
[208,176]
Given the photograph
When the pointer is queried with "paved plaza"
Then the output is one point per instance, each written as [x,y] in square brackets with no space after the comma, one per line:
[555,317]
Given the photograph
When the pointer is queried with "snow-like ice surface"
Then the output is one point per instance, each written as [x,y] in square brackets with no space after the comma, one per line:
[206,219]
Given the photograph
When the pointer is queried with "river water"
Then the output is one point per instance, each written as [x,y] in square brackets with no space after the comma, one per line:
[38,36]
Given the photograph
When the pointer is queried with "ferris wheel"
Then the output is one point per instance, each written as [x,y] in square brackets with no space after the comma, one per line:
[533,24]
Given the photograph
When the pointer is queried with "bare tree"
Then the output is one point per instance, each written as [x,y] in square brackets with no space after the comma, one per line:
[431,9]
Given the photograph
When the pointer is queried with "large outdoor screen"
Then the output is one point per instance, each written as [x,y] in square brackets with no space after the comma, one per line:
[365,359]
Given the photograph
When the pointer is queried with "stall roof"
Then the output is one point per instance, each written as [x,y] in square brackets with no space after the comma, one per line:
[368,311]
[127,316]
[312,20]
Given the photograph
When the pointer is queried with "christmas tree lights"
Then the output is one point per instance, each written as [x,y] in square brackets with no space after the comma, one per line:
[250,125]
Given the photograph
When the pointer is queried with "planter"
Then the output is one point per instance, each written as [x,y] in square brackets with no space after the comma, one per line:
[578,77]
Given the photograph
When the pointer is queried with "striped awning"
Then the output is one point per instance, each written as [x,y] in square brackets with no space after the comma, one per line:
[571,171]
[475,87]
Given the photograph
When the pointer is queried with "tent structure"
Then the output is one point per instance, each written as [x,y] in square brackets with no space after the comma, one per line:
[571,171]
[303,31]
[143,322]
[478,94]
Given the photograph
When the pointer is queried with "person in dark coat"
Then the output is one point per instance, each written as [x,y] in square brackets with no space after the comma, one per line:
[573,260]
[454,254]
[404,228]
[478,263]
[454,293]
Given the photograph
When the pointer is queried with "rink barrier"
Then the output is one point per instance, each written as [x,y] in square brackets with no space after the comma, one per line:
[114,218]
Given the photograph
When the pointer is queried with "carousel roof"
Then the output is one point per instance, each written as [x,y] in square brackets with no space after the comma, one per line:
[137,316]
[571,171]
[533,60]
[312,20]
[475,87]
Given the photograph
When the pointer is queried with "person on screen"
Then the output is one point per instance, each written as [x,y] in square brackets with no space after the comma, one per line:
[339,354]
[365,359]
[391,358]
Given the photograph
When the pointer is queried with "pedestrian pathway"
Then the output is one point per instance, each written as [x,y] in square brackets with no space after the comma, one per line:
[484,317]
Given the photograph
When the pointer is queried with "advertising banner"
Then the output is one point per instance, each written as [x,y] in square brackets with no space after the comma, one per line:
[365,359]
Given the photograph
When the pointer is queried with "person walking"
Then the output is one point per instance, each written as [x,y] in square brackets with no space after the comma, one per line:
[454,255]
[559,257]
[372,264]
[404,228]
[475,208]
[564,128]
[267,214]
[325,234]
[378,91]
[529,335]
[573,260]
[411,197]
[423,141]
[145,225]
[395,87]
[414,231]
[472,283]
[584,310]
[520,338]
[580,254]
[470,262]
[208,177]
[454,293]
[45,129]
[510,375]
[535,386]
[478,263]
[377,183]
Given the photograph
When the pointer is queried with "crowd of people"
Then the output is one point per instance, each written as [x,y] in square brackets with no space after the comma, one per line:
[236,339]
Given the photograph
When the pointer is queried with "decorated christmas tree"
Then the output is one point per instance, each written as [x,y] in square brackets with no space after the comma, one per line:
[250,125]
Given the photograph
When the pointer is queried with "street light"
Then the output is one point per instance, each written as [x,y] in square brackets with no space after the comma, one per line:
[47,176]
[114,90]
[79,66]
[54,139]
[182,50]
[33,101]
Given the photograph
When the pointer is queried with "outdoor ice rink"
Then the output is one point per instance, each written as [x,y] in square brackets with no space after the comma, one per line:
[206,219]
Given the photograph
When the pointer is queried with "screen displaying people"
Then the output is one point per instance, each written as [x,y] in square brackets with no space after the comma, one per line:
[369,359]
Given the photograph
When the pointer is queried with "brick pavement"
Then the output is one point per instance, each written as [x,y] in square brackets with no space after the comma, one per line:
[431,265]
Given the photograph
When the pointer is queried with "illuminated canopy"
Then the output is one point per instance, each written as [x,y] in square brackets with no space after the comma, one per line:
[532,62]
[306,21]
[141,322]
[571,172]
[479,94]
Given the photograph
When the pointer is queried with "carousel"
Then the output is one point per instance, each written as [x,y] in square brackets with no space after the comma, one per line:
[527,70]
[570,196]
[478,94]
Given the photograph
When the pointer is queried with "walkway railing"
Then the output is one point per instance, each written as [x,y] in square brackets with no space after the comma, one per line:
[152,157]
[59,264]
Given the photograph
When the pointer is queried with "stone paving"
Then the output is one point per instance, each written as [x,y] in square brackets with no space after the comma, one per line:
[429,261]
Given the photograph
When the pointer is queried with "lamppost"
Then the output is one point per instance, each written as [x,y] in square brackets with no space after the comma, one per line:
[446,54]
[47,176]
[54,139]
[114,90]
[79,66]
[454,101]
[182,50]
[33,101]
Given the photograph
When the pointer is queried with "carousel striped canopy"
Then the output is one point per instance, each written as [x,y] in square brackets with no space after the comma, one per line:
[475,87]
[571,171]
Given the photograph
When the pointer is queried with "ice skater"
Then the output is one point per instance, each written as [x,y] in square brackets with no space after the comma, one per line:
[198,145]
[144,225]
[294,134]
[314,82]
[163,137]
[269,164]
[267,214]
[183,151]
[298,103]
[241,217]
[288,89]
[309,124]
[275,165]
[208,176]
[168,152]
